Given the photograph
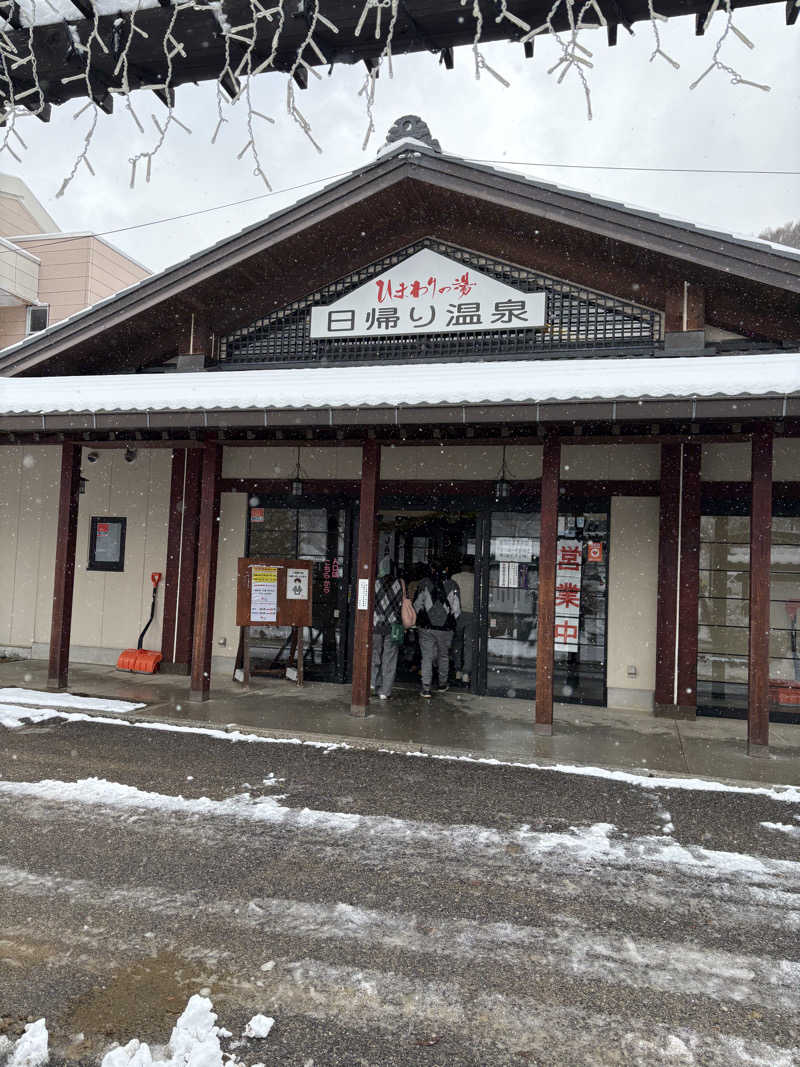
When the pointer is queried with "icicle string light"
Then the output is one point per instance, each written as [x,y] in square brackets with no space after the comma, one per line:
[716,62]
[367,89]
[24,96]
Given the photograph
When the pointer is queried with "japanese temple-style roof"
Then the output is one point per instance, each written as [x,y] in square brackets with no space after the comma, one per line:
[408,193]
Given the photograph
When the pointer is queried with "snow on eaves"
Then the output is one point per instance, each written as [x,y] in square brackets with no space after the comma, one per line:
[512,382]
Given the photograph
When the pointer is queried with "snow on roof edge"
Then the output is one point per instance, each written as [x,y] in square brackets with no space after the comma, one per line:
[349,387]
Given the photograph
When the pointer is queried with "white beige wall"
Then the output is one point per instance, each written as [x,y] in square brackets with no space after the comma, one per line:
[435,462]
[632,601]
[232,532]
[109,608]
[29,479]
[281,462]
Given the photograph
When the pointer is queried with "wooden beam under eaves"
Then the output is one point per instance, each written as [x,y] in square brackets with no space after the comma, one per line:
[446,57]
[230,85]
[792,11]
[12,15]
[300,75]
[85,7]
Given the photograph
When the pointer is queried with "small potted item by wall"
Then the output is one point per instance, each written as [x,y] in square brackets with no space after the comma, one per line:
[139,659]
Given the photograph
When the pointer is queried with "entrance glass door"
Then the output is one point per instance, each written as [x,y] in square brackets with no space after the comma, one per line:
[318,534]
[512,593]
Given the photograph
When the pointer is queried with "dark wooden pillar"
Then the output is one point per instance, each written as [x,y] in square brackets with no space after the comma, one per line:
[760,551]
[181,567]
[365,593]
[667,603]
[208,540]
[689,583]
[64,578]
[548,546]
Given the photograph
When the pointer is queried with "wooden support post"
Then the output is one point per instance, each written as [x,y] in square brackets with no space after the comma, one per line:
[365,594]
[64,577]
[181,568]
[172,569]
[688,584]
[760,552]
[548,539]
[208,540]
[667,602]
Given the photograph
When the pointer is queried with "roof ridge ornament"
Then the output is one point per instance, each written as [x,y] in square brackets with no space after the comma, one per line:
[411,128]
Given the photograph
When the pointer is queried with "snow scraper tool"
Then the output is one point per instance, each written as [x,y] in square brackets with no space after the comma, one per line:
[139,659]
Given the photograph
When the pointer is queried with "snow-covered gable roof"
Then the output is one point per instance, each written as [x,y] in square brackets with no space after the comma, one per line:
[755,260]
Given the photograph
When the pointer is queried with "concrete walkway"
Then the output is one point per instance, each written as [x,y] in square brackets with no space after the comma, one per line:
[455,723]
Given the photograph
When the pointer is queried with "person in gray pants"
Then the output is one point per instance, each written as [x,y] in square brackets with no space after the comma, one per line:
[388,606]
[438,607]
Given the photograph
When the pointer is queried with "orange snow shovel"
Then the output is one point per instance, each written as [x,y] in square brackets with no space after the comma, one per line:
[139,659]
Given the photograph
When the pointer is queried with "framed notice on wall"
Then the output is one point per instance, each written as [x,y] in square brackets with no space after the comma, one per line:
[107,543]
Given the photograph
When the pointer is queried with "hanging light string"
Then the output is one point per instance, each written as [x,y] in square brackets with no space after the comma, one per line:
[575,58]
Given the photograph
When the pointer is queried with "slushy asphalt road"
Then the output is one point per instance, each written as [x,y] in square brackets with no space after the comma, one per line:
[388,909]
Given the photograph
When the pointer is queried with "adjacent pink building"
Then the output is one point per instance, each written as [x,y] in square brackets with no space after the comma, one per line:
[47,275]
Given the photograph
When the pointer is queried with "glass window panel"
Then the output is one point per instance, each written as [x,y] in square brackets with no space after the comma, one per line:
[513,608]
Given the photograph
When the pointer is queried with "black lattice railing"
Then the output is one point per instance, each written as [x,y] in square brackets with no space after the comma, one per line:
[577,319]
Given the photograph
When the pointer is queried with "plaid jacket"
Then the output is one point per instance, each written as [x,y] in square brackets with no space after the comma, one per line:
[388,602]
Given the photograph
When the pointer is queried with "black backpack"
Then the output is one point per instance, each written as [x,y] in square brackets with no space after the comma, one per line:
[439,611]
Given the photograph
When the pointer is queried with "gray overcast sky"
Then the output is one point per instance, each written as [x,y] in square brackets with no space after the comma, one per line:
[644,115]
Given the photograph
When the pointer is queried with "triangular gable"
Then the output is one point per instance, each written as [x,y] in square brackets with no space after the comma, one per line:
[557,314]
[145,324]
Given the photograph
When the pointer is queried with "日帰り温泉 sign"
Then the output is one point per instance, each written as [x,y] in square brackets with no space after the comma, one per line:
[429,293]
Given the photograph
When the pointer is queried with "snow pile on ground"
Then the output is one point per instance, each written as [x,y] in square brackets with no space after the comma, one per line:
[782,827]
[259,1026]
[31,1049]
[37,699]
[194,1041]
[12,717]
[598,843]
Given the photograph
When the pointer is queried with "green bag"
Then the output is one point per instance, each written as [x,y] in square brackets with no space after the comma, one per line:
[398,633]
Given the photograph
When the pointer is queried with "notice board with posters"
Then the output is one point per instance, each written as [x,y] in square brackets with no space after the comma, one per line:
[274,592]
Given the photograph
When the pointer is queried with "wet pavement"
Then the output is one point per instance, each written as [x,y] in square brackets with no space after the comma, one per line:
[456,722]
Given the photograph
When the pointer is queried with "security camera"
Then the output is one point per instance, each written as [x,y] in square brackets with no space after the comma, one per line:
[130,455]
[92,457]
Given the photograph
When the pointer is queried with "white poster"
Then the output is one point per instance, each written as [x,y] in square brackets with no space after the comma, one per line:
[569,563]
[363,594]
[429,293]
[514,549]
[264,594]
[297,583]
[509,574]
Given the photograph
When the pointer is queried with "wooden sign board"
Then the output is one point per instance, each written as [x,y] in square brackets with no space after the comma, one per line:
[274,592]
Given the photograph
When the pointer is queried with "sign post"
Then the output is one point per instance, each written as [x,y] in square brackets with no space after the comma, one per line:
[275,592]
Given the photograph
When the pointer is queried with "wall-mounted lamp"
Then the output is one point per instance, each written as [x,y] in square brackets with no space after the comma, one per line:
[130,455]
[297,481]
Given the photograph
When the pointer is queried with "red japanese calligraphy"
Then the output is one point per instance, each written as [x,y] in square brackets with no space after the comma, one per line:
[566,631]
[569,558]
[568,595]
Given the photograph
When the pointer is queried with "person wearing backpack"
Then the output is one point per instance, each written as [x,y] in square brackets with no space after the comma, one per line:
[438,607]
[387,628]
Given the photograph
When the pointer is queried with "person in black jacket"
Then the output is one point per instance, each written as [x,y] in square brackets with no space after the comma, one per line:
[438,606]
